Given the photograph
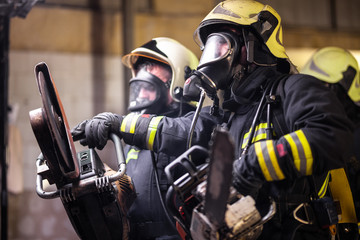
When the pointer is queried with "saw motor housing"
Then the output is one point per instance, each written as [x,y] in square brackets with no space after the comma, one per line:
[211,208]
[240,218]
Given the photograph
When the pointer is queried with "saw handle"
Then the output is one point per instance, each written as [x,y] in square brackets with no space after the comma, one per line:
[120,156]
[84,184]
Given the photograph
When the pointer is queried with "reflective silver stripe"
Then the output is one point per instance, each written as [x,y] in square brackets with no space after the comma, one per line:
[301,152]
[129,122]
[268,161]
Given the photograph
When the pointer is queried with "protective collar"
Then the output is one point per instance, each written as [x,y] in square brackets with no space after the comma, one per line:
[249,89]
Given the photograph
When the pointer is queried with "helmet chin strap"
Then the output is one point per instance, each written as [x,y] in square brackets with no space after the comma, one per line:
[243,69]
[256,51]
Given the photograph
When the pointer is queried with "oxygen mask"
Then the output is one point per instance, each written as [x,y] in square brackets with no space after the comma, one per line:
[216,67]
[148,93]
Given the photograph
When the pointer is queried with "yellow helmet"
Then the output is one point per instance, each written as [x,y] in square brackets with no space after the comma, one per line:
[336,65]
[168,51]
[263,19]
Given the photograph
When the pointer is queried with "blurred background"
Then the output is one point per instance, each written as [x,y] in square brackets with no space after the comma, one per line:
[82,42]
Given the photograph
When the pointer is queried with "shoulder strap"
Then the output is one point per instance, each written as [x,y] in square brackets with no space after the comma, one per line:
[274,109]
[278,114]
[275,114]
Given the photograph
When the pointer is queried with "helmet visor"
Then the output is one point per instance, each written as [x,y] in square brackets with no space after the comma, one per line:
[217,47]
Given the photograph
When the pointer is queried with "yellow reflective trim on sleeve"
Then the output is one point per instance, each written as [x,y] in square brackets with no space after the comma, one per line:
[261,160]
[152,131]
[129,123]
[270,146]
[123,123]
[301,152]
[294,151]
[307,151]
[133,123]
[324,186]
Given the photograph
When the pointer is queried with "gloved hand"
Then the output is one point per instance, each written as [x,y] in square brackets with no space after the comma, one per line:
[96,131]
[246,178]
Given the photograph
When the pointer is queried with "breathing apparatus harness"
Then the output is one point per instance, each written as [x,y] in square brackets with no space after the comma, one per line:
[193,183]
[178,92]
[191,188]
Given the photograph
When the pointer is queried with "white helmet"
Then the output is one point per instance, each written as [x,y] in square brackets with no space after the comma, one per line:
[168,51]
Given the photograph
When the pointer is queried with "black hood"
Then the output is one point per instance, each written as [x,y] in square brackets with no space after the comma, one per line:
[250,89]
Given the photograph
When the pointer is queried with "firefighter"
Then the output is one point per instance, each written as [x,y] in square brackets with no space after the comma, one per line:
[279,153]
[159,69]
[339,71]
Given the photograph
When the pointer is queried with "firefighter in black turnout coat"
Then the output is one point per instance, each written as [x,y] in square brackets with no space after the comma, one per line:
[158,68]
[282,153]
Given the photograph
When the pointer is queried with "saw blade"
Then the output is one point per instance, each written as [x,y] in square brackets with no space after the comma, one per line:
[219,176]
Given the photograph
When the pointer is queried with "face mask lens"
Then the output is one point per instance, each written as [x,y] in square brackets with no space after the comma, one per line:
[217,47]
[142,94]
[149,87]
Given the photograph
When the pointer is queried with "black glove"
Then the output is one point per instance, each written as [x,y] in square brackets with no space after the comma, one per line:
[96,131]
[245,177]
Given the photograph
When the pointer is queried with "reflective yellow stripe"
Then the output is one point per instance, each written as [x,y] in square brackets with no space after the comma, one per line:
[152,131]
[280,175]
[129,122]
[301,152]
[268,161]
[307,152]
[133,123]
[132,154]
[260,134]
[261,161]
[259,137]
[324,187]
[261,125]
[123,123]
[294,151]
